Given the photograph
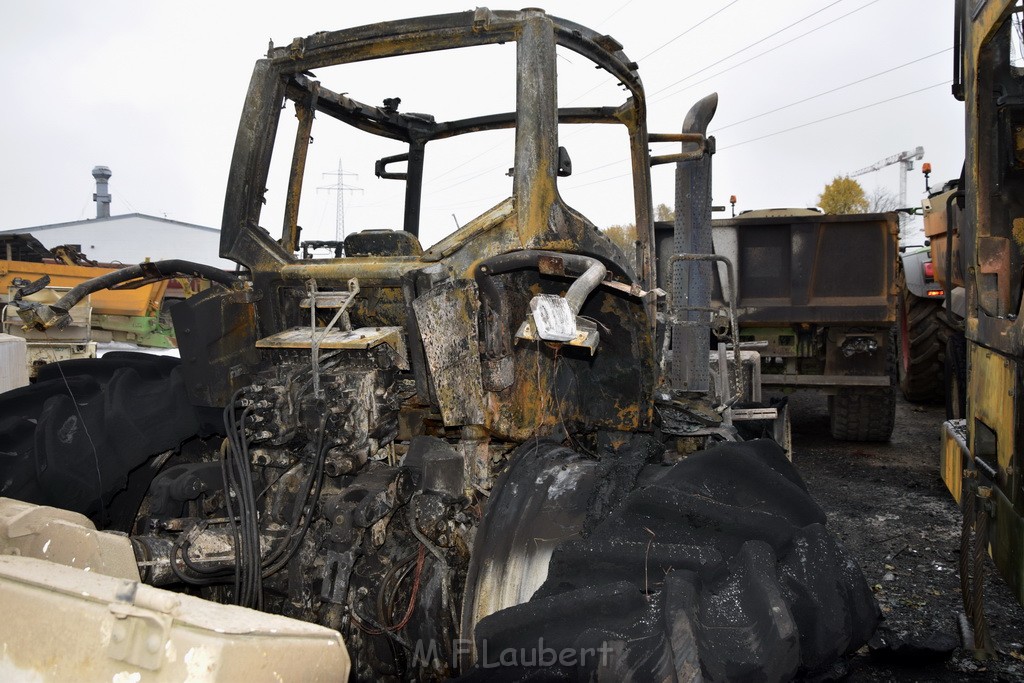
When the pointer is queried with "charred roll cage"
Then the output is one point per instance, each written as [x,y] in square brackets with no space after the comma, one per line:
[455,453]
[284,74]
[525,232]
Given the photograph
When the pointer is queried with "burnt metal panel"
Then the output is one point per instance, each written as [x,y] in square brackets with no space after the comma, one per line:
[216,332]
[447,320]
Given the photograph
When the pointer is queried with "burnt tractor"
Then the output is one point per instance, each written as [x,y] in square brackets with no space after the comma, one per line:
[506,455]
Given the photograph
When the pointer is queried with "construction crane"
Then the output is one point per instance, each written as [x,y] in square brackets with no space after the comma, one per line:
[906,161]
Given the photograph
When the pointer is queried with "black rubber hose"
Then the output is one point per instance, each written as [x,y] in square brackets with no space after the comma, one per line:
[590,272]
[947,282]
[158,270]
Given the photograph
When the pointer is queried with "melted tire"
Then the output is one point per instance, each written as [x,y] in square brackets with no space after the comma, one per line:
[78,437]
[720,569]
[922,341]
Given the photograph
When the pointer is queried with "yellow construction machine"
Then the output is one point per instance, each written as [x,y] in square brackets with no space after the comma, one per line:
[983,249]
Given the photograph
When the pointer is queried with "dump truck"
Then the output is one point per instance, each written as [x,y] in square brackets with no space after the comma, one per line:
[816,296]
[493,454]
[983,250]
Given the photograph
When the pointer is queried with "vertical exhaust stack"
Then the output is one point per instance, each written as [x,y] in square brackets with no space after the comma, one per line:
[691,282]
[101,196]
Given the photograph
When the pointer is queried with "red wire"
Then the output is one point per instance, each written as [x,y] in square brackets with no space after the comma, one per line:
[420,556]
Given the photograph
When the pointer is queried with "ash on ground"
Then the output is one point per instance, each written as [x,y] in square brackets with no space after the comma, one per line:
[887,503]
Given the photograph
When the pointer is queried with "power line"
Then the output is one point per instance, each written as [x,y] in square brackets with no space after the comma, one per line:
[605,81]
[835,116]
[603,180]
[829,92]
[757,56]
[788,130]
[691,28]
[733,2]
[621,7]
[699,23]
[744,49]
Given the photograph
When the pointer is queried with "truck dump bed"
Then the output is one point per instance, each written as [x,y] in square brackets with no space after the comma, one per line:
[810,268]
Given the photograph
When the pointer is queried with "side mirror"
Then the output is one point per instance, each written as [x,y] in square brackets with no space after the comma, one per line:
[564,163]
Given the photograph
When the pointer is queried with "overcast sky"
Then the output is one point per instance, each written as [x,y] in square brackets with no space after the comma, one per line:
[154,91]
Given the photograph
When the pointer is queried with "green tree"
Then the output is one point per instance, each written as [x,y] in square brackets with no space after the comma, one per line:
[843,195]
[663,213]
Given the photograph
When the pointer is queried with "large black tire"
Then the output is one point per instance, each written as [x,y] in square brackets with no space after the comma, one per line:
[866,413]
[921,337]
[76,438]
[863,414]
[719,569]
[956,376]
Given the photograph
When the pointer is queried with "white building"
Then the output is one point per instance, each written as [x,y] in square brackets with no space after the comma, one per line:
[131,238]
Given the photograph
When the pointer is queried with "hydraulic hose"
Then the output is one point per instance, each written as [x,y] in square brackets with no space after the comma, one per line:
[43,316]
[592,272]
[947,282]
[585,284]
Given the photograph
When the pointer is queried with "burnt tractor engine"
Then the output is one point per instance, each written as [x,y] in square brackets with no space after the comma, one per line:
[329,528]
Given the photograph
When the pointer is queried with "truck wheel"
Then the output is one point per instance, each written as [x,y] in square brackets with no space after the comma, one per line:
[717,568]
[863,414]
[921,334]
[78,438]
[866,413]
[956,376]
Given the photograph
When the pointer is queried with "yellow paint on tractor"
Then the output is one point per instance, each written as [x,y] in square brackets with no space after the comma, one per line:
[989,444]
[990,398]
[990,408]
[951,462]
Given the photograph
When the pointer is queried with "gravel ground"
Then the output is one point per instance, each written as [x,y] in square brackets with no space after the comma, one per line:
[891,509]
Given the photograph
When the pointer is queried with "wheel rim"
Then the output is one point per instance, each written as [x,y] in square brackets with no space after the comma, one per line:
[514,545]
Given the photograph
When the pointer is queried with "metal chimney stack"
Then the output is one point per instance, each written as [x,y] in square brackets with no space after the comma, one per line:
[102,196]
[691,282]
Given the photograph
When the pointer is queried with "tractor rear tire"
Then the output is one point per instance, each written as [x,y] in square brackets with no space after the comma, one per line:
[921,334]
[718,568]
[79,437]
